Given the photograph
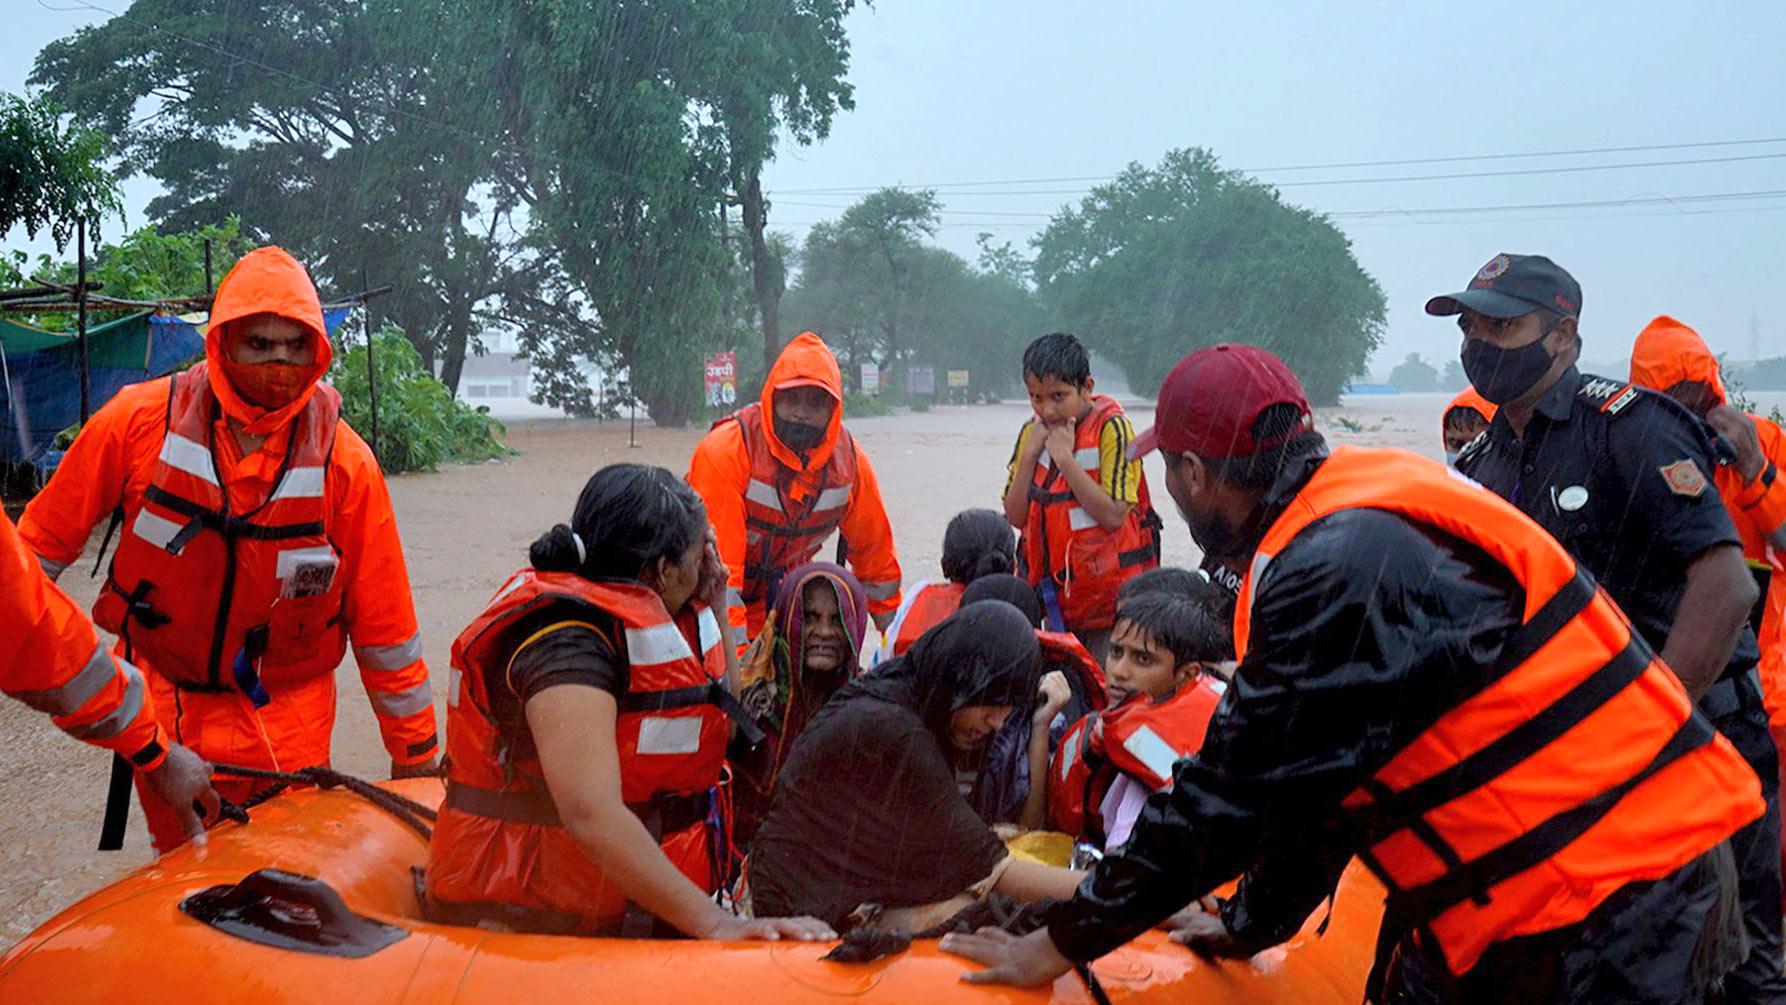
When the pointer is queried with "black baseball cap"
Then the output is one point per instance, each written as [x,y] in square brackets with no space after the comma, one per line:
[1510,286]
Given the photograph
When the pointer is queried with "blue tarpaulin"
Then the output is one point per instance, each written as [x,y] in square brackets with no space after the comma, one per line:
[40,373]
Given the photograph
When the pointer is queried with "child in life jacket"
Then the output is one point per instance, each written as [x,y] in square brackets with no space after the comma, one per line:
[1163,648]
[1081,503]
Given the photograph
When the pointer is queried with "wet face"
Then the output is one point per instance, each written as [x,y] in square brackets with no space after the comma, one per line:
[824,644]
[1696,395]
[1057,402]
[805,406]
[1138,666]
[971,726]
[270,338]
[1462,426]
[677,579]
[1197,493]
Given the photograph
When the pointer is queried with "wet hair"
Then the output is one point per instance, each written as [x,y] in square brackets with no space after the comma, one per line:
[628,516]
[1188,629]
[1463,417]
[1058,356]
[1008,588]
[1164,579]
[979,542]
[1256,471]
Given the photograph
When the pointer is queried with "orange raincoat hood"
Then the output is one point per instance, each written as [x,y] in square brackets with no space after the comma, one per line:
[1470,399]
[1668,352]
[804,362]
[266,281]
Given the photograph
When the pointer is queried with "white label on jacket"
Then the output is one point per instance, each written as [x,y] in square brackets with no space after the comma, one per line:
[663,735]
[1152,751]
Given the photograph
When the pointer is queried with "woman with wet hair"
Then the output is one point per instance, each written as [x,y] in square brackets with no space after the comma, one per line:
[807,652]
[867,811]
[977,543]
[588,731]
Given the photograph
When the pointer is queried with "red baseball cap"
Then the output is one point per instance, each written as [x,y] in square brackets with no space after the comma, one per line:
[1210,400]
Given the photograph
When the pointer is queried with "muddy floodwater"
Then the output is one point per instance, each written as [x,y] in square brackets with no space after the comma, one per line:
[466,528]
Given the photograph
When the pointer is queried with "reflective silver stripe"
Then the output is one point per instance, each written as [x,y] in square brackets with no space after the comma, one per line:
[454,679]
[389,657]
[122,716]
[832,498]
[733,597]
[1151,750]
[740,635]
[186,455]
[154,529]
[403,703]
[1260,561]
[763,494]
[51,569]
[709,629]
[658,644]
[1089,458]
[300,483]
[77,691]
[1079,519]
[882,591]
[660,734]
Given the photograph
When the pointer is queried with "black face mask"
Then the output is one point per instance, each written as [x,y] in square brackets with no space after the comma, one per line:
[798,436]
[1502,375]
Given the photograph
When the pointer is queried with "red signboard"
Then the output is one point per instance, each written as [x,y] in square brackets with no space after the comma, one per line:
[722,379]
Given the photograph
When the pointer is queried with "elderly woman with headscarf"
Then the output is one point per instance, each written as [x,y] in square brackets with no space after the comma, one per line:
[805,654]
[867,811]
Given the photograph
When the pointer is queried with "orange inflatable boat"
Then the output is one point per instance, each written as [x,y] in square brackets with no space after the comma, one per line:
[328,867]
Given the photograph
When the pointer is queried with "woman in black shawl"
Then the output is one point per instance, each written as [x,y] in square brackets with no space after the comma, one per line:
[867,810]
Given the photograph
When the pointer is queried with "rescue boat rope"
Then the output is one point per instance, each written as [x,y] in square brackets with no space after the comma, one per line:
[410,812]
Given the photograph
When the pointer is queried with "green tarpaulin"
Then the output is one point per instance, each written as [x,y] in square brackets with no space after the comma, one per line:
[123,343]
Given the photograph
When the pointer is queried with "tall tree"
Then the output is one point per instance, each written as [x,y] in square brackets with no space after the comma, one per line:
[339,135]
[52,174]
[1165,260]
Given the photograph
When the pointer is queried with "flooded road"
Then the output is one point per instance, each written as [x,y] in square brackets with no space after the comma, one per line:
[466,528]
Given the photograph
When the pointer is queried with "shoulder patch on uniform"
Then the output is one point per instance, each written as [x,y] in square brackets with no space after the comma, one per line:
[1599,390]
[1684,477]
[1615,405]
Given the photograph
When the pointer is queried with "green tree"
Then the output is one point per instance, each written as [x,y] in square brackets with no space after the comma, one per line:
[1415,374]
[342,135]
[1166,260]
[52,174]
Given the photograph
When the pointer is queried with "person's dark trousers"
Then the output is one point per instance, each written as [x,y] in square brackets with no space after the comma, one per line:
[1760,978]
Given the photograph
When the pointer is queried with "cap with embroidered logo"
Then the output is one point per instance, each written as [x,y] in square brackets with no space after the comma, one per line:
[1511,286]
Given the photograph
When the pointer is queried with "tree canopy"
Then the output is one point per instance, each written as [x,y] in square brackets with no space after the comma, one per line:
[1163,261]
[52,174]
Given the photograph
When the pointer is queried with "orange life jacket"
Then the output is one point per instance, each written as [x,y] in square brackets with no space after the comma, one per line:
[194,587]
[782,531]
[1580,769]
[926,607]
[499,842]
[1062,542]
[1065,648]
[1141,738]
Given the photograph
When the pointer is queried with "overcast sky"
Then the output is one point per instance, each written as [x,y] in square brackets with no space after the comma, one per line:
[959,92]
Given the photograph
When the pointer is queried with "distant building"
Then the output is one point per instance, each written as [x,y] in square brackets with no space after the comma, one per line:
[502,380]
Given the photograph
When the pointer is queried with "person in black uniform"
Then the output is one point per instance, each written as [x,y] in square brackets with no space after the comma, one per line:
[1622,477]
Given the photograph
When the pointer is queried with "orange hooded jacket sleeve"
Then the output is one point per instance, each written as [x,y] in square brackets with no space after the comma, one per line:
[112,463]
[719,471]
[54,662]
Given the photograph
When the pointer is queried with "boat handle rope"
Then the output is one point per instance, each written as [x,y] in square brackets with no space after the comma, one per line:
[407,810]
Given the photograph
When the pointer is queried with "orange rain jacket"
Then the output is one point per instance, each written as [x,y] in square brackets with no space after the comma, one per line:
[1667,353]
[722,469]
[114,463]
[53,661]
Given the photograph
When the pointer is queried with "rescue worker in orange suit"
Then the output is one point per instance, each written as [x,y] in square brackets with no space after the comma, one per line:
[1622,477]
[588,732]
[779,475]
[255,539]
[55,663]
[1536,791]
[1465,418]
[1671,357]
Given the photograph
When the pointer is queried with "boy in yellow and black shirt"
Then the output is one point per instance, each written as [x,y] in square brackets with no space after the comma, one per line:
[1081,503]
